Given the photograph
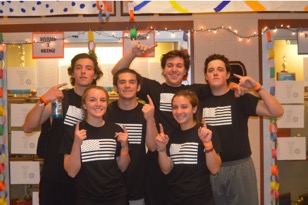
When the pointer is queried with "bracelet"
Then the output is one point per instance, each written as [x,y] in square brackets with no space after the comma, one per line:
[209,150]
[257,88]
[208,144]
[42,100]
[124,152]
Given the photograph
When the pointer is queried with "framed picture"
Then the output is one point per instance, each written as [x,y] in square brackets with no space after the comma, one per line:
[237,67]
[285,76]
[124,10]
[111,8]
[302,40]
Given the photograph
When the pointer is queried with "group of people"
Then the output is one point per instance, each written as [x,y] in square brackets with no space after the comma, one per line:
[187,144]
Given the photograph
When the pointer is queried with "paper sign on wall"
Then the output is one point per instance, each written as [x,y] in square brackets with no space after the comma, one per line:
[24,143]
[291,148]
[47,45]
[24,172]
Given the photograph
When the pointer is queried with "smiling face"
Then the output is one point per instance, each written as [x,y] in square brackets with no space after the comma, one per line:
[95,102]
[127,85]
[183,111]
[174,71]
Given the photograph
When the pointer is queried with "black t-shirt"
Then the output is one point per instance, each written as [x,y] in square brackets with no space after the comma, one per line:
[189,180]
[229,115]
[53,167]
[162,94]
[135,125]
[99,177]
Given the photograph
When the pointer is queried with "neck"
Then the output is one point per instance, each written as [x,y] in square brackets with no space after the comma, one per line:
[188,125]
[95,122]
[127,104]
[219,91]
[79,89]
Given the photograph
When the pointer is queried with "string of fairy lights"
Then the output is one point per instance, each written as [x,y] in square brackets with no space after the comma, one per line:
[145,33]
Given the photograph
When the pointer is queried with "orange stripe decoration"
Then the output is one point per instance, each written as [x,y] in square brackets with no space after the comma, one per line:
[255,6]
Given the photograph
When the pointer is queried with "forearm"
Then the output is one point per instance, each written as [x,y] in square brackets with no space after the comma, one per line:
[124,62]
[165,163]
[72,163]
[213,161]
[35,117]
[151,133]
[123,160]
[269,106]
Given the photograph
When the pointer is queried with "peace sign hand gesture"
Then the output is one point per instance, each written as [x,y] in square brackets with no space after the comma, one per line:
[204,133]
[161,139]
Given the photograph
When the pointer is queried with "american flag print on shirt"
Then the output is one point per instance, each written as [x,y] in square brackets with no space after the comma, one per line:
[134,132]
[186,153]
[73,115]
[98,149]
[165,102]
[218,116]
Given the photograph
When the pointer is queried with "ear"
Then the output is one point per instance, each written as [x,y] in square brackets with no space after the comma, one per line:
[228,75]
[95,76]
[138,88]
[84,106]
[195,109]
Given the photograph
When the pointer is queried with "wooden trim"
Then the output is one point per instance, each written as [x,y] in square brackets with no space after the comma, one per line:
[95,26]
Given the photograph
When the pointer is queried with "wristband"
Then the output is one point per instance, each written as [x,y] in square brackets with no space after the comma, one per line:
[43,101]
[257,88]
[208,144]
[209,150]
[124,152]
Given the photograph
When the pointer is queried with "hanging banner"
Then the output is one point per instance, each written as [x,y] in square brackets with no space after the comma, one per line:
[64,7]
[47,45]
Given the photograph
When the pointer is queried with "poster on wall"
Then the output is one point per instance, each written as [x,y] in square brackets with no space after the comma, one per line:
[47,45]
[302,39]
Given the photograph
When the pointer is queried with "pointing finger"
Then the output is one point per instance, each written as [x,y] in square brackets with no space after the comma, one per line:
[238,76]
[150,100]
[124,128]
[204,123]
[161,129]
[61,85]
[77,126]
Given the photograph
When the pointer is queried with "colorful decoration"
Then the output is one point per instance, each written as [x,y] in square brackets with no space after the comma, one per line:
[91,43]
[63,7]
[3,132]
[273,129]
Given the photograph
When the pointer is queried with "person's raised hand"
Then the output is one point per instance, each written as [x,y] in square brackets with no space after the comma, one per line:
[143,50]
[161,139]
[80,135]
[148,109]
[204,133]
[122,137]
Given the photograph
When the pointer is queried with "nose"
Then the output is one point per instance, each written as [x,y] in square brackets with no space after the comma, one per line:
[83,69]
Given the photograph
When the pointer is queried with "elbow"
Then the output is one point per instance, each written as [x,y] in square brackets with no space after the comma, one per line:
[71,174]
[278,113]
[26,129]
[215,170]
